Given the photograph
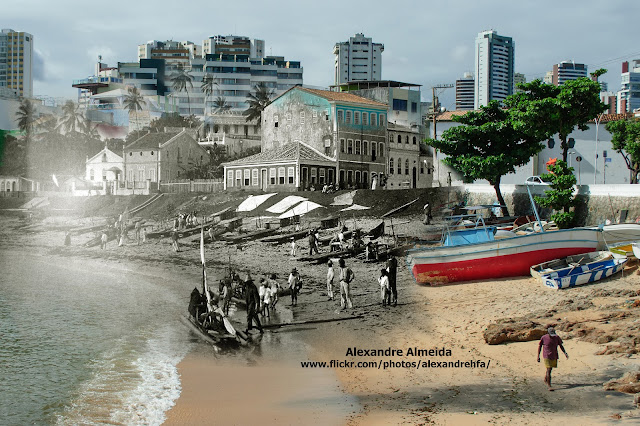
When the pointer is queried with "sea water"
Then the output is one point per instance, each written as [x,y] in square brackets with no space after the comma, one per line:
[85,343]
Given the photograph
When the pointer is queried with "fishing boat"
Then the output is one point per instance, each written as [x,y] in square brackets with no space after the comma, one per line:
[635,248]
[576,275]
[570,261]
[498,258]
[619,233]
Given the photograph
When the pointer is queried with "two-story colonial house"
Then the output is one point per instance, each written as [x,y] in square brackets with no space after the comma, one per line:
[322,136]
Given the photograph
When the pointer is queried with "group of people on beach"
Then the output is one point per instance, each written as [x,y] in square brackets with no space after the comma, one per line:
[185,220]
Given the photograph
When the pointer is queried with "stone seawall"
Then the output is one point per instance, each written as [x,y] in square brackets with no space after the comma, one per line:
[596,203]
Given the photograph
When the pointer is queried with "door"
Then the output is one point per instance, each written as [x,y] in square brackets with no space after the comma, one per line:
[263,174]
[415,178]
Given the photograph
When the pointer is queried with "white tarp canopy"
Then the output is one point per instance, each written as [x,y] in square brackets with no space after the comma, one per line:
[253,202]
[355,207]
[344,199]
[285,204]
[300,209]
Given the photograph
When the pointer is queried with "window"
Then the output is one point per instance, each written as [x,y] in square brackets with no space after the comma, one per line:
[349,177]
[301,117]
[365,148]
[322,175]
[381,150]
[152,175]
[429,168]
[272,176]
[414,140]
[275,120]
[348,117]
[230,178]
[288,118]
[254,177]
[422,168]
[373,151]
[314,174]
[399,105]
[356,117]
[291,175]
[414,107]
[342,145]
[349,146]
[340,116]
[399,139]
[390,166]
[406,139]
[383,120]
[365,118]
[91,174]
[141,174]
[406,166]
[104,157]
[358,147]
[399,166]
[357,177]
[238,178]
[281,175]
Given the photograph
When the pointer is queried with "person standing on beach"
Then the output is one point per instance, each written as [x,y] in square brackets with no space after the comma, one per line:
[312,243]
[346,277]
[275,287]
[384,288]
[226,295]
[392,269]
[103,240]
[174,240]
[293,247]
[294,286]
[330,276]
[252,299]
[549,344]
[137,232]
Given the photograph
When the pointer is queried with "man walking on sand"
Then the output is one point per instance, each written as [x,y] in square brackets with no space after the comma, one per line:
[346,277]
[549,343]
[252,299]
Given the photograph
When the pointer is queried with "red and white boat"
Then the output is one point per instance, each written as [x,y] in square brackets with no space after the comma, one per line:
[499,258]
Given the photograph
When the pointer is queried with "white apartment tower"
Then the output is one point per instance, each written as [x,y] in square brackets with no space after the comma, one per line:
[358,59]
[16,62]
[464,92]
[494,70]
[567,70]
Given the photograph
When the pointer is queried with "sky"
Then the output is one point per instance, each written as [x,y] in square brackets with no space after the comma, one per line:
[425,42]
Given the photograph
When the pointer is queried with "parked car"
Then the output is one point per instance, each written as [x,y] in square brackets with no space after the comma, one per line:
[536,180]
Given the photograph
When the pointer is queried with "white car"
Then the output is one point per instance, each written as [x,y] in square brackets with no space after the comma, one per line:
[536,180]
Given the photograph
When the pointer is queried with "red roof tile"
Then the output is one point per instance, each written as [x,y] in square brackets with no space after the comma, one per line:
[287,152]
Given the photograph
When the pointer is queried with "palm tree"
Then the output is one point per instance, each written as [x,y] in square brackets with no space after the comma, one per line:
[258,101]
[181,80]
[221,104]
[26,117]
[71,117]
[89,129]
[207,86]
[134,101]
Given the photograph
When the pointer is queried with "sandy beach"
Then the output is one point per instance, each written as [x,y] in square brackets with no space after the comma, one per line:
[500,384]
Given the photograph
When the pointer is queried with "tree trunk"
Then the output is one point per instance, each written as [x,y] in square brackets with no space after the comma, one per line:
[565,148]
[504,208]
[634,174]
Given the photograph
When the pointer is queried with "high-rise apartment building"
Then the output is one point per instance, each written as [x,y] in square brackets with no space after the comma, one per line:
[16,62]
[171,51]
[358,59]
[495,58]
[567,70]
[629,94]
[465,89]
[518,78]
[233,45]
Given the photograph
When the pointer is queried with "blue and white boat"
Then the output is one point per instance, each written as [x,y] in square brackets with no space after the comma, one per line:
[576,274]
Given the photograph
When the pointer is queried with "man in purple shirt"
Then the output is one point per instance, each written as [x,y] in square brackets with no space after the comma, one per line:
[549,343]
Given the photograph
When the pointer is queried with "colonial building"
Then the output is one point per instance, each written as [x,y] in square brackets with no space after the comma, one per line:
[162,156]
[104,166]
[343,133]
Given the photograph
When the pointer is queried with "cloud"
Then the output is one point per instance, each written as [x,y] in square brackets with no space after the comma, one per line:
[461,53]
[38,66]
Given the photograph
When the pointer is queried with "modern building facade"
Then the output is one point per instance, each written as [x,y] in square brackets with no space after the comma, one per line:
[465,92]
[328,137]
[494,67]
[174,52]
[567,70]
[629,94]
[16,62]
[518,78]
[358,59]
[233,45]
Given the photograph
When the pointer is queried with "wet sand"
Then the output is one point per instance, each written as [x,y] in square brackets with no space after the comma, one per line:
[271,387]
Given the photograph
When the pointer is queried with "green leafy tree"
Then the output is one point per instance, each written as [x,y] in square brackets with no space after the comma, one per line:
[487,146]
[207,86]
[181,81]
[625,139]
[26,116]
[561,195]
[134,101]
[258,101]
[71,118]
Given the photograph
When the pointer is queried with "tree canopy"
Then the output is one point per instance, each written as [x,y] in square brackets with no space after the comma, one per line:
[258,101]
[488,146]
[625,139]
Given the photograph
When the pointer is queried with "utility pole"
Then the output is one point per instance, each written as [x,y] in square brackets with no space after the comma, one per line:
[435,111]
